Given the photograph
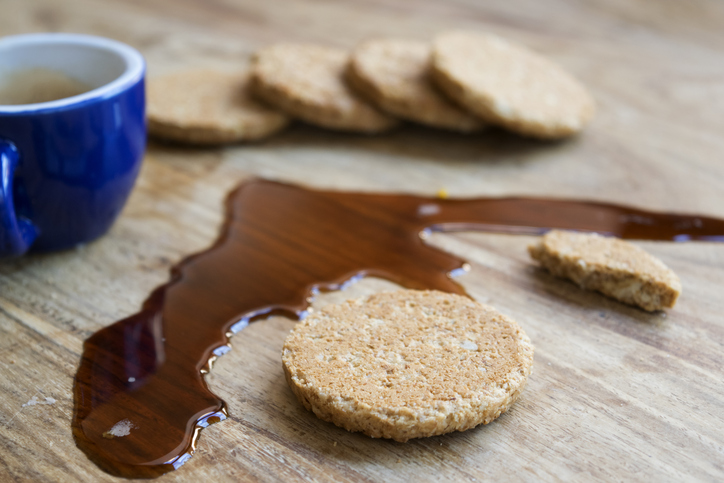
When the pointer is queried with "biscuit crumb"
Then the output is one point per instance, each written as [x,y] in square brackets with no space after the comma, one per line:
[120,429]
[611,266]
[35,401]
[407,364]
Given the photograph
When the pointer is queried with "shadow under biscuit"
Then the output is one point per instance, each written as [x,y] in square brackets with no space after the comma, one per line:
[490,146]
[598,305]
[313,436]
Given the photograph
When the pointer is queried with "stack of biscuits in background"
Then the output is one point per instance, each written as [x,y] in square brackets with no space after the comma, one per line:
[462,81]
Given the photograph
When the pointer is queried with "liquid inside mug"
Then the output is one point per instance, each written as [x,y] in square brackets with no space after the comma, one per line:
[68,165]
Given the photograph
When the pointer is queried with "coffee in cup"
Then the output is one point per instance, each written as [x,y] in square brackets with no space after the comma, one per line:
[31,86]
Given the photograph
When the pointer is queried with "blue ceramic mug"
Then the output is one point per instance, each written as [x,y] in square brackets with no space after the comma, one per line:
[68,165]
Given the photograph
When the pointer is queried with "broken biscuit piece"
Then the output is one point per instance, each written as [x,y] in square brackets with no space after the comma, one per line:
[611,266]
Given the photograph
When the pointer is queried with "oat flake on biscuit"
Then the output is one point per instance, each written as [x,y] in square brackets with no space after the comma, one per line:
[207,106]
[394,74]
[407,364]
[307,82]
[509,85]
[611,266]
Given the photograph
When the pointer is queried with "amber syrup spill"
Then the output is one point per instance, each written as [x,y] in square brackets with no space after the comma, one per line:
[140,395]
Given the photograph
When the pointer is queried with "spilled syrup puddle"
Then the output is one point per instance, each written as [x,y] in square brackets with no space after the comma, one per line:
[140,396]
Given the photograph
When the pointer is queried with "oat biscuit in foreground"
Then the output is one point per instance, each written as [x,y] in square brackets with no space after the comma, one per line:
[407,364]
[395,75]
[208,106]
[509,85]
[608,265]
[307,82]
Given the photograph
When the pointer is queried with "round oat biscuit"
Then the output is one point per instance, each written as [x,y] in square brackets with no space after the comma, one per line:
[307,82]
[208,107]
[407,364]
[509,85]
[394,74]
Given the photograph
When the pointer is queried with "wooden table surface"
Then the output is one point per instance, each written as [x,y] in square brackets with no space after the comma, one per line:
[615,394]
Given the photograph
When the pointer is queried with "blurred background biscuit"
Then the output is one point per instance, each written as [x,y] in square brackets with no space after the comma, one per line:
[509,85]
[394,74]
[307,81]
[208,107]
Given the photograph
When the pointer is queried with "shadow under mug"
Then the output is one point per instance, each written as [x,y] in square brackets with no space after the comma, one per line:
[67,166]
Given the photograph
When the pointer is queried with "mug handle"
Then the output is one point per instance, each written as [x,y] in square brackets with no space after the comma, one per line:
[16,233]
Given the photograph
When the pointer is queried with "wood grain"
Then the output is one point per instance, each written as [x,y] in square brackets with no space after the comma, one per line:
[615,394]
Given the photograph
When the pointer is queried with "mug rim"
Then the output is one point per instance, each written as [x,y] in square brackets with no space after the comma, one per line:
[134,71]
